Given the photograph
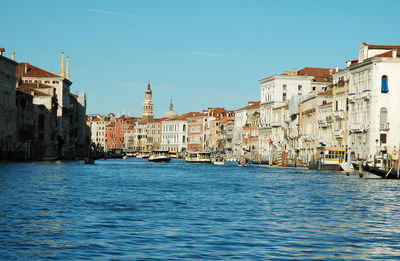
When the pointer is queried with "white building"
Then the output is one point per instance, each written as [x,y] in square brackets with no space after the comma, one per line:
[174,133]
[241,118]
[276,90]
[374,95]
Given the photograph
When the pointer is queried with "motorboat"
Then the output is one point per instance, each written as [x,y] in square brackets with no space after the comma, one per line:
[198,157]
[159,156]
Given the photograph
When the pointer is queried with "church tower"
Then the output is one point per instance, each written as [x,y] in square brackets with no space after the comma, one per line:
[148,110]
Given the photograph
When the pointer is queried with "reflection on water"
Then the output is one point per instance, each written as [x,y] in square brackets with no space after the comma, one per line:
[133,209]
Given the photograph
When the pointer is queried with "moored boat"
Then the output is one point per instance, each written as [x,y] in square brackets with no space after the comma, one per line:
[198,157]
[391,174]
[159,156]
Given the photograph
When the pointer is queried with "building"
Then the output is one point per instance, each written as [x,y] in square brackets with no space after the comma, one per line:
[67,136]
[242,117]
[340,107]
[7,106]
[148,107]
[374,101]
[174,133]
[308,129]
[277,89]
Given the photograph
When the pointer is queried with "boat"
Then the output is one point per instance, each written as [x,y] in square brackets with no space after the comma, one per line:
[159,156]
[219,162]
[392,174]
[198,157]
[143,156]
[242,163]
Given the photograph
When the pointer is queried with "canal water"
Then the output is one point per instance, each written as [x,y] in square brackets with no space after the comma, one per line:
[136,210]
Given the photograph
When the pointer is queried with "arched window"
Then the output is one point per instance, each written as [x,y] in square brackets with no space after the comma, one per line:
[383,117]
[184,127]
[384,87]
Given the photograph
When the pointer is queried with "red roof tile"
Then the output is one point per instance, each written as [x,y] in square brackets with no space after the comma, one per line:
[253,105]
[320,74]
[33,71]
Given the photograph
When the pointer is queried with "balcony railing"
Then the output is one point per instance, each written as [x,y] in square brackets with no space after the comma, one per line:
[338,114]
[338,133]
[384,126]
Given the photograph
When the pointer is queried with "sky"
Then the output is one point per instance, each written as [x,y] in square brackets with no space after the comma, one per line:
[200,54]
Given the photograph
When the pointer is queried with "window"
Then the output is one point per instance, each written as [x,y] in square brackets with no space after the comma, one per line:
[383,138]
[284,97]
[299,87]
[314,88]
[384,87]
[284,87]
[383,117]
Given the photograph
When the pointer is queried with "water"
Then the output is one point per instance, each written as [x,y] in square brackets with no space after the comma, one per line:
[136,210]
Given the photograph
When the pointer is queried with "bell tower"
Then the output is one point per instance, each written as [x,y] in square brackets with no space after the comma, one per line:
[148,109]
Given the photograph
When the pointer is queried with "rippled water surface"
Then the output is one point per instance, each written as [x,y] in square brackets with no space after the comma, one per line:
[136,210]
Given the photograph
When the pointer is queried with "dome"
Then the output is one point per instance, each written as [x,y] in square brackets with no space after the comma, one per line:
[171,114]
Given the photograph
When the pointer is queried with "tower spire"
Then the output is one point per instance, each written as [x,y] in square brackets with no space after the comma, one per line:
[62,73]
[67,69]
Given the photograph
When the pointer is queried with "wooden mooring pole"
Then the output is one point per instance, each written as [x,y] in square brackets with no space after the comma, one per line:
[360,171]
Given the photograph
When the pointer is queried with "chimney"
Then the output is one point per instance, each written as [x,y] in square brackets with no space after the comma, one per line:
[394,53]
[26,68]
[62,73]
[295,71]
[13,55]
[2,50]
[348,63]
[330,71]
[67,69]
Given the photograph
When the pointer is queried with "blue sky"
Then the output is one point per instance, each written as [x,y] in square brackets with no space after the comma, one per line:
[200,54]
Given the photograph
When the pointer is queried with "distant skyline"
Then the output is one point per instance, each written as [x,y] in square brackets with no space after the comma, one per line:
[200,54]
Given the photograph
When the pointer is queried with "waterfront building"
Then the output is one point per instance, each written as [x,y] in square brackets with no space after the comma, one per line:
[115,132]
[241,118]
[27,73]
[7,105]
[24,125]
[277,89]
[277,138]
[174,133]
[340,107]
[213,128]
[292,132]
[308,128]
[196,135]
[43,144]
[154,134]
[226,136]
[140,136]
[374,101]
[325,119]
[249,137]
[98,129]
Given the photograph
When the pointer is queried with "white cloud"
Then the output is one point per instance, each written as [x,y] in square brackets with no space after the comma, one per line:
[108,12]
[219,55]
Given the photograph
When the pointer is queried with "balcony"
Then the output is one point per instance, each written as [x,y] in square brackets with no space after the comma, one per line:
[339,114]
[384,126]
[322,123]
[338,134]
[308,137]
[276,124]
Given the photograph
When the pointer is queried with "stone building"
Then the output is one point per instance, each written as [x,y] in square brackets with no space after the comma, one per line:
[7,106]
